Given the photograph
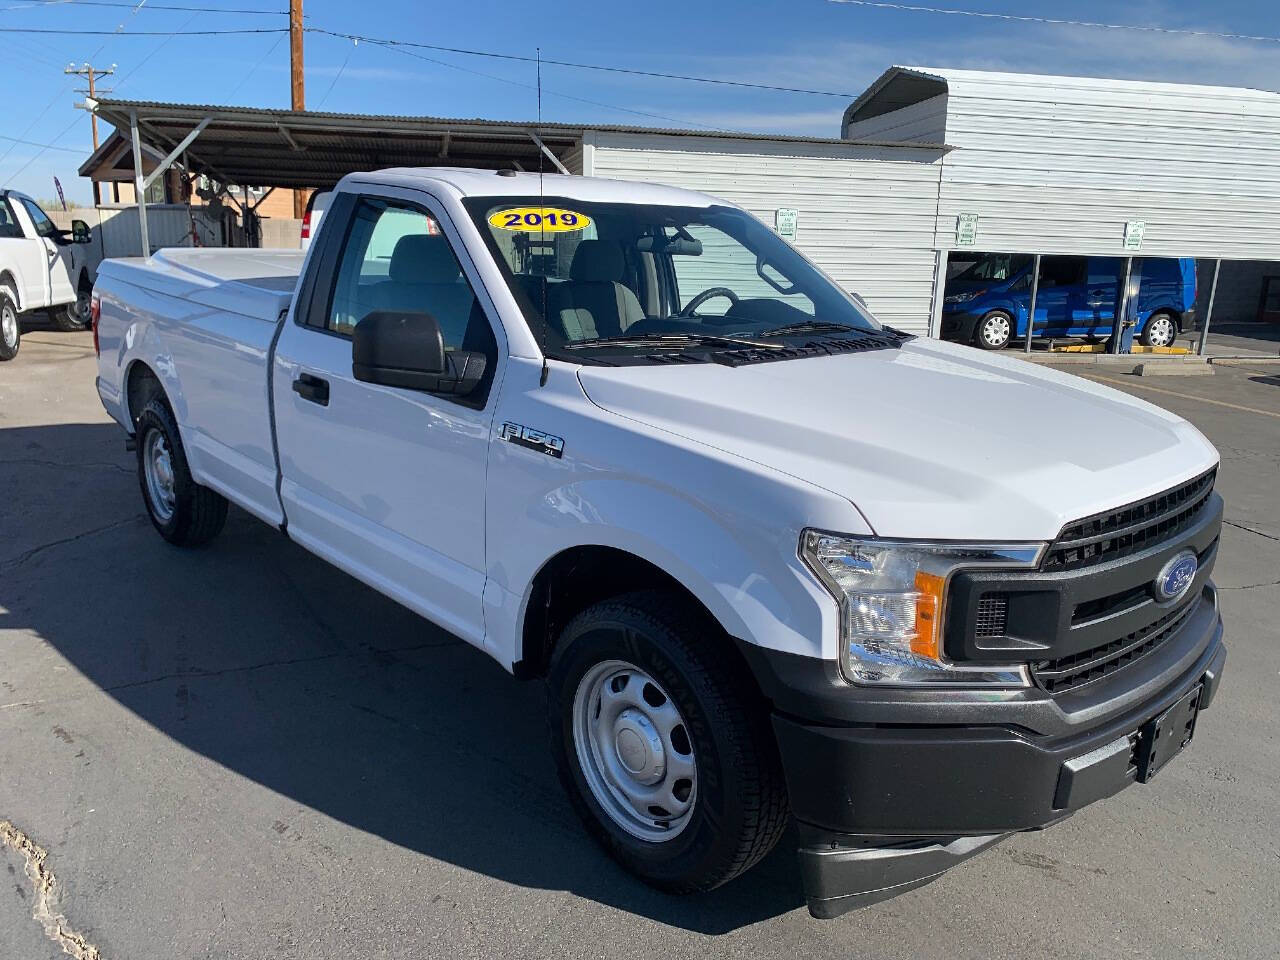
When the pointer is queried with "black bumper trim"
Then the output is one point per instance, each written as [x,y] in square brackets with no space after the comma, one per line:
[839,877]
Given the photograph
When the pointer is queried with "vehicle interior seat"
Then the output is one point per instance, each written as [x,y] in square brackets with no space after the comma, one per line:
[424,277]
[594,302]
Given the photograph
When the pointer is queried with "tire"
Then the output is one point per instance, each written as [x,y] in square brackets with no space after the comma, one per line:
[1160,330]
[10,330]
[657,660]
[73,316]
[994,331]
[185,513]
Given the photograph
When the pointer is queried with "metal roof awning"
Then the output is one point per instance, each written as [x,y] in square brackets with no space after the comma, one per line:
[285,148]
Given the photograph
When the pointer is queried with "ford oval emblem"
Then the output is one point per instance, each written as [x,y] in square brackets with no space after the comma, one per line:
[1175,578]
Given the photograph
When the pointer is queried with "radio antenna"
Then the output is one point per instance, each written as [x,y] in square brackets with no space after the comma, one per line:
[546,320]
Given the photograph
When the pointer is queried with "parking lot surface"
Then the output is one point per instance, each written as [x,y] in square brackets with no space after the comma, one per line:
[242,752]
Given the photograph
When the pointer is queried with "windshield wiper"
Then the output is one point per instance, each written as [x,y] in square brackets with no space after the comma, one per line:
[672,340]
[808,326]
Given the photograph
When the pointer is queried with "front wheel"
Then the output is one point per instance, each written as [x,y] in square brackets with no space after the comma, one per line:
[994,331]
[10,333]
[1160,330]
[667,759]
[185,513]
[74,315]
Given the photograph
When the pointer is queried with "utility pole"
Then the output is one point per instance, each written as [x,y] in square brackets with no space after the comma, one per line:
[297,83]
[87,70]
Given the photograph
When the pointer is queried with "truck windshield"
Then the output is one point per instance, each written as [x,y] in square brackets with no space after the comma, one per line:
[597,279]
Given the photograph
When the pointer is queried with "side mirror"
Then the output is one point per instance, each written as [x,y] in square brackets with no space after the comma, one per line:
[80,232]
[399,349]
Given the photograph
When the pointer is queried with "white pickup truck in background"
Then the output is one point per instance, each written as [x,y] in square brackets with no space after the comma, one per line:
[40,267]
[772,559]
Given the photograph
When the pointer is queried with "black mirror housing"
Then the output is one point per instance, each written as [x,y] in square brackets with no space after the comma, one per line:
[400,349]
[80,232]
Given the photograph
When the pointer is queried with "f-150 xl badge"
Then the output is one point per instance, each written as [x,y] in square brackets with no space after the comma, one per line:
[533,439]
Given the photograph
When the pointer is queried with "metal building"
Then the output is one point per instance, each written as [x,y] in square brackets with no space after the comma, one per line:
[1072,165]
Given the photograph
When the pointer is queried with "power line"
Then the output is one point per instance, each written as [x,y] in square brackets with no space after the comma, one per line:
[530,86]
[46,146]
[338,76]
[254,69]
[583,66]
[986,15]
[120,4]
[145,33]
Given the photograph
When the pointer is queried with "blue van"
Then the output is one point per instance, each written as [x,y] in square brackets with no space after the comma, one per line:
[986,304]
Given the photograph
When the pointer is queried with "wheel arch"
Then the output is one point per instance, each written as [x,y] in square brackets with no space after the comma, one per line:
[580,576]
[140,384]
[7,279]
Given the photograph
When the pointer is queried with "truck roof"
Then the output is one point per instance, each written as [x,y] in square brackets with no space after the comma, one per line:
[490,183]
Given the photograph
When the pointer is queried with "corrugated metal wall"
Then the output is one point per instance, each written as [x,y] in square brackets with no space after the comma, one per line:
[1058,165]
[866,214]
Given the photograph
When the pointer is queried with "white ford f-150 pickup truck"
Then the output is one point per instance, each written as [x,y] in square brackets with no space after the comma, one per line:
[40,266]
[771,558]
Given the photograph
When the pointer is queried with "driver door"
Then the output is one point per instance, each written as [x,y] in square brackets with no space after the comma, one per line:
[385,482]
[25,253]
[58,257]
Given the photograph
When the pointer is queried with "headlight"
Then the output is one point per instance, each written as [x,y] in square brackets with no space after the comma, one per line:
[892,597]
[963,297]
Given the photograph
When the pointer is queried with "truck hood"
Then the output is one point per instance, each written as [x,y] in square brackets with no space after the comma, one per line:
[932,440]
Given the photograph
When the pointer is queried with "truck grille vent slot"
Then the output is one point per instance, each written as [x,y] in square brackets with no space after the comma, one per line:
[1074,671]
[993,615]
[1128,529]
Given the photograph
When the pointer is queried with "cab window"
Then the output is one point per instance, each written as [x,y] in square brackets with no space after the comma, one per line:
[9,228]
[44,226]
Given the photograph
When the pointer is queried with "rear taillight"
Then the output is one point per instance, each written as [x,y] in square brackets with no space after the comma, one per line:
[306,225]
[95,311]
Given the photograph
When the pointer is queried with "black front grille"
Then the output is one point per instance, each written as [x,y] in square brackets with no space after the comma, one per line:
[1128,529]
[993,615]
[1074,671]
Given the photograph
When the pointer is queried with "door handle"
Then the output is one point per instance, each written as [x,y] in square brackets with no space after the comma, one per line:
[312,388]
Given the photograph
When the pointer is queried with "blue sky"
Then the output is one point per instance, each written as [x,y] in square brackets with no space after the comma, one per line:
[804,43]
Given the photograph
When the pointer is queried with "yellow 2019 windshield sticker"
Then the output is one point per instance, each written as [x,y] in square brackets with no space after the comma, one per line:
[539,220]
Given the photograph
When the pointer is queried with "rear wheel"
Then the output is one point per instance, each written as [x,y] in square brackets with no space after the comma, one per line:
[1160,331]
[994,331]
[669,762]
[185,513]
[10,333]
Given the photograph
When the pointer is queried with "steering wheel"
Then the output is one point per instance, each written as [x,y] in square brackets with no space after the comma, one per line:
[690,308]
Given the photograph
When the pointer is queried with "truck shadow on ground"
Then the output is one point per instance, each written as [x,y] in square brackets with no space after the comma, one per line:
[277,666]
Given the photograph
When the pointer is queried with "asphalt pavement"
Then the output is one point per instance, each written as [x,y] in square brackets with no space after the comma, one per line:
[240,752]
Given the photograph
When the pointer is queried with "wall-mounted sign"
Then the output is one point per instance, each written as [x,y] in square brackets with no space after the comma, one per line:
[785,221]
[1134,231]
[966,229]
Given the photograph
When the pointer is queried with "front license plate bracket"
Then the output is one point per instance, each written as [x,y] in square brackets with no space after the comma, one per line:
[1162,739]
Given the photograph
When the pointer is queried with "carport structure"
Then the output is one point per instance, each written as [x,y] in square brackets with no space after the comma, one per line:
[290,149]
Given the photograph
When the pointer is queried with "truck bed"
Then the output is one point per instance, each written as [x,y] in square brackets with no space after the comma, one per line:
[253,283]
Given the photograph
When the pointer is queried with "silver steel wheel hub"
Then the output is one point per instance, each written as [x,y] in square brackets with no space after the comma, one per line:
[9,326]
[995,330]
[634,751]
[1160,331]
[157,467]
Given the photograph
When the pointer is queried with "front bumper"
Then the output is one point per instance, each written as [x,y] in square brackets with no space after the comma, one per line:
[886,807]
[958,325]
